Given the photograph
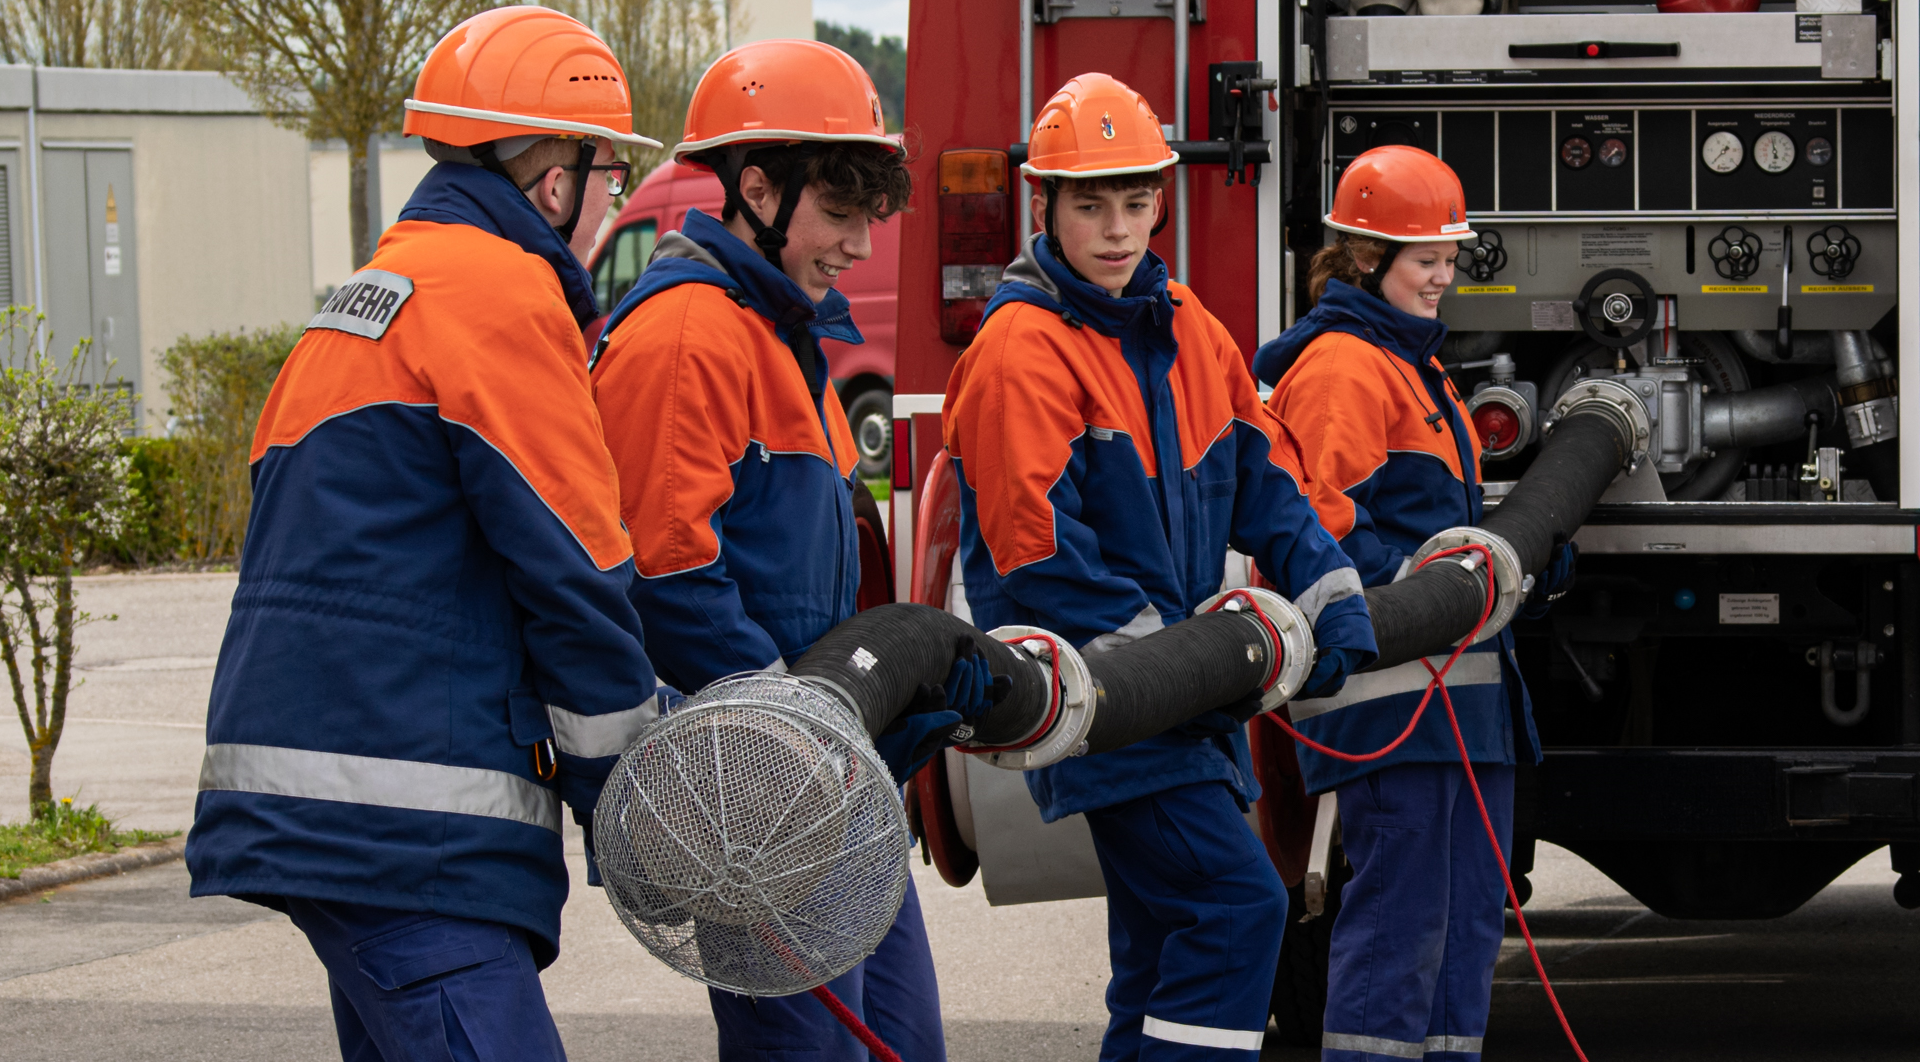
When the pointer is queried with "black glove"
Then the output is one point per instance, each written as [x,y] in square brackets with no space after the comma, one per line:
[1553,584]
[585,820]
[939,716]
[1329,673]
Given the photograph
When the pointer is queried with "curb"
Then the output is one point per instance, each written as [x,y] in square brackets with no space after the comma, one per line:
[94,865]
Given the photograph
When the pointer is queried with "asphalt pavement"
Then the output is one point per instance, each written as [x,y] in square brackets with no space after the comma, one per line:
[130,968]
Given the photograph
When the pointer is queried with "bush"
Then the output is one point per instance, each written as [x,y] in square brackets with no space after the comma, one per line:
[151,535]
[198,482]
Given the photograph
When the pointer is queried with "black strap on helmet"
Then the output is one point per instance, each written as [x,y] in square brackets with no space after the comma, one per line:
[582,169]
[728,166]
[1370,282]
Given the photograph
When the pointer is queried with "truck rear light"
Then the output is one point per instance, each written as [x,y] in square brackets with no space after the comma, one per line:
[976,237]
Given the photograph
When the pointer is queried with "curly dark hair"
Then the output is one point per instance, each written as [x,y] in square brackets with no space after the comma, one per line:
[857,176]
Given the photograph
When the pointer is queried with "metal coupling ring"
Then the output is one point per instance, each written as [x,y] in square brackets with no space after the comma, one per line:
[1615,401]
[1510,583]
[1296,648]
[1071,724]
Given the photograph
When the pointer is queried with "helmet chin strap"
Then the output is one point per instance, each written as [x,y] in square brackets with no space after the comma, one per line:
[1370,281]
[589,147]
[769,238]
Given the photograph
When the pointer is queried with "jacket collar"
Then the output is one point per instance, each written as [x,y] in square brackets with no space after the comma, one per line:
[1345,308]
[453,193]
[766,290]
[1038,278]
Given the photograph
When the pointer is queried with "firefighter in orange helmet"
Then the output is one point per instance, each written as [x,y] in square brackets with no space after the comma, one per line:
[737,465]
[1395,460]
[1110,447]
[431,647]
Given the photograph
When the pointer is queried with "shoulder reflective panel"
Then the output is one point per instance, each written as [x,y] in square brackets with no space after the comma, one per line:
[276,771]
[1472,669]
[366,304]
[594,736]
[1201,1035]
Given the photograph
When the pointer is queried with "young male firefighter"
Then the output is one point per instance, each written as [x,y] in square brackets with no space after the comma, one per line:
[736,461]
[431,645]
[1388,442]
[1111,446]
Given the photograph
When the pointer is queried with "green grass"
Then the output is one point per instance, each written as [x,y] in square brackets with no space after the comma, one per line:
[881,489]
[63,831]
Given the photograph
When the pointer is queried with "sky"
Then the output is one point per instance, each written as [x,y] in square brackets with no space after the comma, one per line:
[882,18]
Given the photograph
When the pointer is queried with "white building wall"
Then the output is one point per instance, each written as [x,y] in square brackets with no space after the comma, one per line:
[403,162]
[759,20]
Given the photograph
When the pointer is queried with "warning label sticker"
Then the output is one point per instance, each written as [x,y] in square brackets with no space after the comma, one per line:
[1733,289]
[1750,608]
[1832,289]
[1610,246]
[1486,289]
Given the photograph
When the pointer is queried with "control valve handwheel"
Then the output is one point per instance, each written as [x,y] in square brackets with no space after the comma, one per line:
[1484,256]
[1833,251]
[1735,253]
[1597,311]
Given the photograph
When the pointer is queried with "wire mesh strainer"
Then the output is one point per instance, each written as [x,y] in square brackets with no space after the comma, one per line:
[753,839]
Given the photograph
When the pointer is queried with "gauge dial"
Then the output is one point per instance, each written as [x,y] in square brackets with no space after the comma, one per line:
[1576,152]
[1722,152]
[1773,151]
[1819,151]
[1613,152]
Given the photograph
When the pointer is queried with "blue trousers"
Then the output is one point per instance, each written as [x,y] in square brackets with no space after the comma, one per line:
[1195,913]
[409,986]
[893,990]
[1420,924]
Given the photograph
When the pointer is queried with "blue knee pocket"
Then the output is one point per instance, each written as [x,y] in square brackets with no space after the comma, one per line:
[427,950]
[1201,844]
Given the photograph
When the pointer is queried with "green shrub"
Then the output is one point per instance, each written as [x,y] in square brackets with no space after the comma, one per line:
[60,831]
[151,534]
[200,484]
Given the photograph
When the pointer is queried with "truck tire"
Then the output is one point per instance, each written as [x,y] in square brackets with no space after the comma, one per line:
[870,416]
[1300,983]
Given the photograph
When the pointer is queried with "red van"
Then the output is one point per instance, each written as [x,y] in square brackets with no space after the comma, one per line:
[863,375]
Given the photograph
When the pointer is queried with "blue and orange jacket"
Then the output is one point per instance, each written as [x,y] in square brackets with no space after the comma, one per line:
[1393,463]
[1109,450]
[433,585]
[736,471]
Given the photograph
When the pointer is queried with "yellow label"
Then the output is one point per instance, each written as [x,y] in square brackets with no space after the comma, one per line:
[1487,289]
[1733,289]
[1836,289]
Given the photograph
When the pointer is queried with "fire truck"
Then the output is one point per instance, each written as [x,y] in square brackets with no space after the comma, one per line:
[1695,211]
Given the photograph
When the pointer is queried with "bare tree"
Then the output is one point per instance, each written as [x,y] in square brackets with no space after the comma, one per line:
[129,34]
[664,46]
[333,69]
[63,486]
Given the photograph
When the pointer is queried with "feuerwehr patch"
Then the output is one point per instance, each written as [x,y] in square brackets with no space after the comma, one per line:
[366,304]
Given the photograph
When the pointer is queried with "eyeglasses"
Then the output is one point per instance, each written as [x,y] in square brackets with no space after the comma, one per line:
[618,174]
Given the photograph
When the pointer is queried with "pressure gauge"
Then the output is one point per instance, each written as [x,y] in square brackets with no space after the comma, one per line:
[1613,152]
[1819,151]
[1722,152]
[1773,151]
[1576,152]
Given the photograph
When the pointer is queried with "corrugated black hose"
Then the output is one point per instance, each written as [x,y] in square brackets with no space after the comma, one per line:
[881,657]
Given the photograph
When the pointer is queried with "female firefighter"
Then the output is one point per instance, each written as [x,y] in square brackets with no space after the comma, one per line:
[1386,440]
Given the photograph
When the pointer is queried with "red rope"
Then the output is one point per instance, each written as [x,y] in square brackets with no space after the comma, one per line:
[1459,740]
[854,1025]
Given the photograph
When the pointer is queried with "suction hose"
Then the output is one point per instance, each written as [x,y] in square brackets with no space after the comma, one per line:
[1439,604]
[1060,704]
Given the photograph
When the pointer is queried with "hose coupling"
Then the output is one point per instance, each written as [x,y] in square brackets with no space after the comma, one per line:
[1615,401]
[1510,581]
[1062,730]
[1272,616]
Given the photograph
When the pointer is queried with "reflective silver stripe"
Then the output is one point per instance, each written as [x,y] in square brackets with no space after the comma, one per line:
[381,782]
[1472,669]
[1371,1045]
[1201,1036]
[1142,624]
[594,736]
[1460,1045]
[1333,586]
